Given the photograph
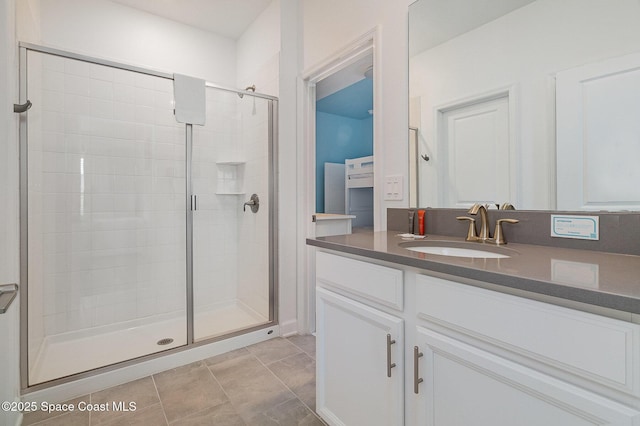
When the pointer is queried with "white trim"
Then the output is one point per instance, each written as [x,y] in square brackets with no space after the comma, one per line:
[289,328]
[510,92]
[379,208]
[350,53]
[367,44]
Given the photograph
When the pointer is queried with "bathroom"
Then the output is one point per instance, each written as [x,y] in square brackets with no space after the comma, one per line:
[297,47]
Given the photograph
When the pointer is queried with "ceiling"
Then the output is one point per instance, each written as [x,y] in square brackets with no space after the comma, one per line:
[433,22]
[228,18]
[354,101]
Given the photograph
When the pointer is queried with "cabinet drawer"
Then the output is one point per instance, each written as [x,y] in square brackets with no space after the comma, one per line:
[373,282]
[598,348]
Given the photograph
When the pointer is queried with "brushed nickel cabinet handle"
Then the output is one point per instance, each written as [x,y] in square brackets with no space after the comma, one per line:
[416,379]
[390,364]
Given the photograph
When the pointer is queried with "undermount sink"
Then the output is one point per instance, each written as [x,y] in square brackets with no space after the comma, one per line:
[458,249]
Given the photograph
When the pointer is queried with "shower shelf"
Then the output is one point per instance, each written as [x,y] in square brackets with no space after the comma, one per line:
[230,177]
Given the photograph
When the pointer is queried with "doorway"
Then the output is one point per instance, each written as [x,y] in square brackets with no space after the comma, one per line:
[348,56]
[344,149]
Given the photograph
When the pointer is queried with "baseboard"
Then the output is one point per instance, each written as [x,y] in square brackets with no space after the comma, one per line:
[289,328]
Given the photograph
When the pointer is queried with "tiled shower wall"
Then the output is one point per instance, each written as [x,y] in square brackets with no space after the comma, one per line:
[216,217]
[231,163]
[253,232]
[106,197]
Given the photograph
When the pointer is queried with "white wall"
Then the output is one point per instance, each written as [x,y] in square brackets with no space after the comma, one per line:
[525,49]
[258,56]
[288,197]
[110,30]
[329,25]
[258,52]
[9,271]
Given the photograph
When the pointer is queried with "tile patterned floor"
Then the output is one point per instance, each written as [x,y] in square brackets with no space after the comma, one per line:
[270,383]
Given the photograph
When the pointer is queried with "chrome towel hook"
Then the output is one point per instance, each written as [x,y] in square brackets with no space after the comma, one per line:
[20,108]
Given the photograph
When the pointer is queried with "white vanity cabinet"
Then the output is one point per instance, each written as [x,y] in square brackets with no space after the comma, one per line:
[359,347]
[359,362]
[464,385]
[485,358]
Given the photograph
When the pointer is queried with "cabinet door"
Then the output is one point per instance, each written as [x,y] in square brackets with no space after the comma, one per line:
[464,385]
[353,387]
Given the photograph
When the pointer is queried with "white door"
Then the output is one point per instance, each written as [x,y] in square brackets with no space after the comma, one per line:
[474,140]
[353,384]
[598,131]
[464,385]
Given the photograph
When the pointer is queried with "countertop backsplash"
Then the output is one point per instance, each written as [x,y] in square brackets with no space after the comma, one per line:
[619,231]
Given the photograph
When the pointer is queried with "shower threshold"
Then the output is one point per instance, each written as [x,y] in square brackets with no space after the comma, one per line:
[75,352]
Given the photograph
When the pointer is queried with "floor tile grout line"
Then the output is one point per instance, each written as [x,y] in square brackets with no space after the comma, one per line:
[300,347]
[314,360]
[295,396]
[155,386]
[224,391]
[285,385]
[278,378]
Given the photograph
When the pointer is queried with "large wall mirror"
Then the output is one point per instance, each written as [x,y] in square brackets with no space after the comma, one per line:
[532,102]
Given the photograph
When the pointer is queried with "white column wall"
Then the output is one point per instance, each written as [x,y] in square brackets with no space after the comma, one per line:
[9,239]
[288,198]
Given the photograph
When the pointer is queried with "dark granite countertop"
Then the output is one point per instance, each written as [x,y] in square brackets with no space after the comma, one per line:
[596,278]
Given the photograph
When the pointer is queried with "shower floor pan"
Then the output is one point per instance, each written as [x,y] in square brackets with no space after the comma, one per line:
[70,353]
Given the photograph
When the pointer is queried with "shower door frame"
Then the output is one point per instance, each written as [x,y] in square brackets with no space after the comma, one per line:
[272,140]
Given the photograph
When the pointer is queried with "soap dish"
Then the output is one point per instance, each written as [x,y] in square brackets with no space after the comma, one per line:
[411,236]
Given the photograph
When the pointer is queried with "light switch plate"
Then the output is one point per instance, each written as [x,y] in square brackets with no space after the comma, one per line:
[393,188]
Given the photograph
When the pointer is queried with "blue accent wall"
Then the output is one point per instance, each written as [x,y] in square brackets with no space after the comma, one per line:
[353,101]
[339,138]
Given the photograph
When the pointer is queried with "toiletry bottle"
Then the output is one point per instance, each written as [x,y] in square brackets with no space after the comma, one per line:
[421,222]
[411,216]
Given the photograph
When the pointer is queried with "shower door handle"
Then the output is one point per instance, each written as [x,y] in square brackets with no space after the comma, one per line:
[194,202]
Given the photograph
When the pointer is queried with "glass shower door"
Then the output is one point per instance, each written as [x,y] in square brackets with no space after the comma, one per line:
[232,244]
[105,208]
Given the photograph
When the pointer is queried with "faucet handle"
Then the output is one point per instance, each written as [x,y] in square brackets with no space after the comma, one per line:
[498,238]
[506,206]
[471,232]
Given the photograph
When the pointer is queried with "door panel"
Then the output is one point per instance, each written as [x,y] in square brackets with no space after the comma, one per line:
[598,131]
[465,386]
[352,383]
[476,163]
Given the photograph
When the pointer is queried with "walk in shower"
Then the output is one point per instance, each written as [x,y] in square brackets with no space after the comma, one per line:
[137,232]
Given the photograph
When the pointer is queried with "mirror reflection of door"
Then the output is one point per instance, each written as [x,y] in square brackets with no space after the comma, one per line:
[474,142]
[344,131]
